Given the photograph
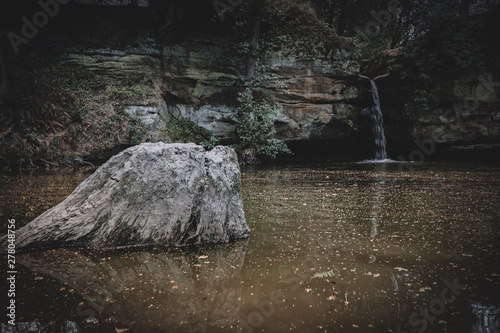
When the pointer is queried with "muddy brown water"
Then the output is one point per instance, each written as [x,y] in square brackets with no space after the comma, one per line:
[339,247]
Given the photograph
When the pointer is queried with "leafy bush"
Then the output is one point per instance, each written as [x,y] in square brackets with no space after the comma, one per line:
[254,127]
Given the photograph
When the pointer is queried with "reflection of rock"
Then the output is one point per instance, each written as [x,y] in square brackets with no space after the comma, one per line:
[152,291]
[487,318]
[175,194]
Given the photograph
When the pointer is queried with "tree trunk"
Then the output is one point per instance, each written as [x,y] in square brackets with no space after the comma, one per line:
[249,154]
[464,7]
[342,21]
[254,43]
[3,79]
[398,30]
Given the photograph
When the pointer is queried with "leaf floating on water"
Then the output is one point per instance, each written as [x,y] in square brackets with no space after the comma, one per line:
[401,269]
[121,330]
[332,297]
[323,275]
[202,257]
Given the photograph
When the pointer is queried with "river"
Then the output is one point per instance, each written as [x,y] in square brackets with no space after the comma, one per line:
[335,247]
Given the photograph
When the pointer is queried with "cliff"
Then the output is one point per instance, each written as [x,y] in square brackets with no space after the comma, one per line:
[88,87]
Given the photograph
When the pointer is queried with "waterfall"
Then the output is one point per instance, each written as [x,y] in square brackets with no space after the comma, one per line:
[378,125]
[375,113]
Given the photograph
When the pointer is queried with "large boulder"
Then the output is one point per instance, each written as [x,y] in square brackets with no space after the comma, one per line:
[154,193]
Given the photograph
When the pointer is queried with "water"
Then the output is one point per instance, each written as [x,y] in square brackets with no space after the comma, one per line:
[375,113]
[334,248]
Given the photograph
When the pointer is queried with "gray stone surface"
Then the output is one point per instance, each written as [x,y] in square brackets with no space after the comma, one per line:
[154,193]
[151,117]
[206,79]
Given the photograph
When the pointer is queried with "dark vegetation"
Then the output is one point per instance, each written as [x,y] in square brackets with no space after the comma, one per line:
[51,112]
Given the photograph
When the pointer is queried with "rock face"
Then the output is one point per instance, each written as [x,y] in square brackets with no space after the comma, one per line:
[321,99]
[168,194]
[466,108]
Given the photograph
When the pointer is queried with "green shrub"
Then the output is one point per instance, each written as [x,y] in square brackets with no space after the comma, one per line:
[254,126]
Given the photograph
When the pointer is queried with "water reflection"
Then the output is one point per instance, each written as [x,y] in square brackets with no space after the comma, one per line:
[344,247]
[170,291]
[338,272]
[487,319]
[379,181]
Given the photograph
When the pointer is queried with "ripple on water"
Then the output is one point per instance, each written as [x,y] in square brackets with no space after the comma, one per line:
[334,247]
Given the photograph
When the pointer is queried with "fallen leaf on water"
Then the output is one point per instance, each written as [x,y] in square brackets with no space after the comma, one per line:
[401,269]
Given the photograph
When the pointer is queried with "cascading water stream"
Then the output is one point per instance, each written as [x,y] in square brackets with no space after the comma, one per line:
[375,113]
[378,125]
